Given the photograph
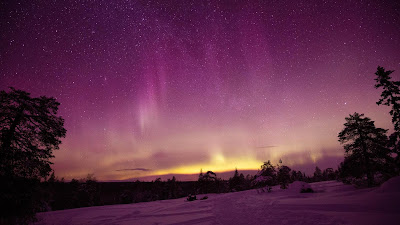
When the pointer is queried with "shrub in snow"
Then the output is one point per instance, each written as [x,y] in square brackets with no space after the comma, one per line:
[191,198]
[308,190]
[204,198]
[300,187]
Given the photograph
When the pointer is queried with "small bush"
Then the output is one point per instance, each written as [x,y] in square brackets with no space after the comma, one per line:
[191,198]
[204,198]
[307,190]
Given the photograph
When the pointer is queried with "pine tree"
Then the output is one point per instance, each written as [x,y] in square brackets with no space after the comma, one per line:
[234,181]
[328,174]
[283,176]
[391,97]
[201,175]
[52,178]
[364,144]
[317,174]
[267,169]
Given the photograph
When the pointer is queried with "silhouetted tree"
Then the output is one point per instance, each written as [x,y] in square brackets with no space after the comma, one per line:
[297,175]
[237,182]
[157,189]
[364,144]
[329,174]
[210,176]
[209,183]
[265,177]
[293,175]
[317,174]
[350,168]
[205,181]
[234,181]
[283,176]
[267,169]
[391,97]
[172,188]
[89,193]
[52,178]
[29,132]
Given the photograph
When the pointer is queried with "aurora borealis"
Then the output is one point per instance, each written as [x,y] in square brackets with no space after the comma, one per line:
[158,87]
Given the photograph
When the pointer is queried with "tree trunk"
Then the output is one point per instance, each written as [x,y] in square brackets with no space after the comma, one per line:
[370,178]
[369,174]
[9,136]
[7,161]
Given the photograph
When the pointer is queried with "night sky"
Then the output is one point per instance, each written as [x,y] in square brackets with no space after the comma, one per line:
[150,88]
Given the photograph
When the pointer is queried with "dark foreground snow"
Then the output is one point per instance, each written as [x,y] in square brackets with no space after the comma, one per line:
[333,203]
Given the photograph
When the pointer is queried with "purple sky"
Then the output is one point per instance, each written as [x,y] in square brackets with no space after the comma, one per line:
[175,86]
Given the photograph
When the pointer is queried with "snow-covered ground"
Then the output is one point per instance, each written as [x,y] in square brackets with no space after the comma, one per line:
[333,203]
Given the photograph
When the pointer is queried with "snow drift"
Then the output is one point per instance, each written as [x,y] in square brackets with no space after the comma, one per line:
[392,185]
[298,186]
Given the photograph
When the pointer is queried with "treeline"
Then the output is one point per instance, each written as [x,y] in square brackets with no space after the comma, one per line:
[59,195]
[56,194]
[281,175]
[268,175]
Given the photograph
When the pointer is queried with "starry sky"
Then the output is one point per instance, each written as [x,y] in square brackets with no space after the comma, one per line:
[157,87]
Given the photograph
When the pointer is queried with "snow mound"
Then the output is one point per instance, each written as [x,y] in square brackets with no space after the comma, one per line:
[392,185]
[297,186]
[261,180]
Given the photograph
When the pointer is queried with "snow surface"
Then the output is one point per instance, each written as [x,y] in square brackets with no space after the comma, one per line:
[297,186]
[392,185]
[333,203]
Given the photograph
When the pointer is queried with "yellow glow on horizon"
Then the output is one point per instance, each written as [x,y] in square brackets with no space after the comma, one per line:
[223,165]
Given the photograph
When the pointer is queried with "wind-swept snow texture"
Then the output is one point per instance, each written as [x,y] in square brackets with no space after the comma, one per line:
[332,203]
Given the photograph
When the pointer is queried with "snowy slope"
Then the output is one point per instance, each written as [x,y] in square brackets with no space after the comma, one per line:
[334,203]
